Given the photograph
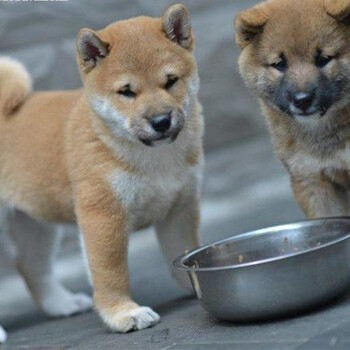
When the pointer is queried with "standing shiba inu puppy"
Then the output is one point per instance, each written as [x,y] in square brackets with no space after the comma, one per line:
[296,59]
[121,154]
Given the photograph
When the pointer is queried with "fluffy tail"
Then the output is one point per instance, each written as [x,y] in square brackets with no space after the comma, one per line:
[15,84]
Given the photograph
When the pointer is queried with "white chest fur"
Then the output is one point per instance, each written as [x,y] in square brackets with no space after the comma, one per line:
[147,198]
[344,156]
[303,163]
[148,194]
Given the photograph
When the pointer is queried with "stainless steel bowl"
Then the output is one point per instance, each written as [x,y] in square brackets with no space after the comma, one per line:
[271,272]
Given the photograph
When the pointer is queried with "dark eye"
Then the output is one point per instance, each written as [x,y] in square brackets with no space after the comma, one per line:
[127,92]
[171,82]
[322,60]
[281,65]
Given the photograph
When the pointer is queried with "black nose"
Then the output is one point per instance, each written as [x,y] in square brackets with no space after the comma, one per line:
[161,123]
[303,100]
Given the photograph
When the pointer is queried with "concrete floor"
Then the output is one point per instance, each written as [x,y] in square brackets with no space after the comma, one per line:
[244,188]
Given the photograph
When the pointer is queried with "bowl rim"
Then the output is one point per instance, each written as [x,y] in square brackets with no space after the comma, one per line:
[179,261]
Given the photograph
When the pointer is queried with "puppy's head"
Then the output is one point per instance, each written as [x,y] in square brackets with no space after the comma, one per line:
[296,55]
[140,75]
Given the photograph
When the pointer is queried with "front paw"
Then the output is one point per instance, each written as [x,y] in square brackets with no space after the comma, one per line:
[131,318]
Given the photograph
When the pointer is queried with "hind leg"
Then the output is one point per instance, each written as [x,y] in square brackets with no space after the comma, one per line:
[3,335]
[37,244]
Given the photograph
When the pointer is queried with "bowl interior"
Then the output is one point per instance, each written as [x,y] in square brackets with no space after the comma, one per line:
[270,243]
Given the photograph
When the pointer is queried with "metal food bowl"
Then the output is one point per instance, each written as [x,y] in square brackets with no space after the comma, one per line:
[271,272]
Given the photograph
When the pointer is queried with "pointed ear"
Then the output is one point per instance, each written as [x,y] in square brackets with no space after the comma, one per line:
[250,23]
[177,25]
[338,9]
[91,49]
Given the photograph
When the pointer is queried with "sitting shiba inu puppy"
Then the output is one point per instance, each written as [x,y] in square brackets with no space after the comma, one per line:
[296,59]
[123,153]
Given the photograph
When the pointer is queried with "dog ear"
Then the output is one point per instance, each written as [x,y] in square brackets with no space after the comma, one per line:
[177,25]
[91,49]
[250,23]
[338,9]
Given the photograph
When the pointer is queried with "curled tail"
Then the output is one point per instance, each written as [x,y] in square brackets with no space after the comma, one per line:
[15,84]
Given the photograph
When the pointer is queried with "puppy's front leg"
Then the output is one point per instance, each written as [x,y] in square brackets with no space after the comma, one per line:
[104,225]
[319,197]
[180,231]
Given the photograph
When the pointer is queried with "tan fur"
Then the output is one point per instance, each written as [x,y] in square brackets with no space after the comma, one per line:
[316,154]
[15,84]
[338,9]
[60,161]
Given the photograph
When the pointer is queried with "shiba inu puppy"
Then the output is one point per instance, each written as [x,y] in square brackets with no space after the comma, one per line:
[123,153]
[296,59]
